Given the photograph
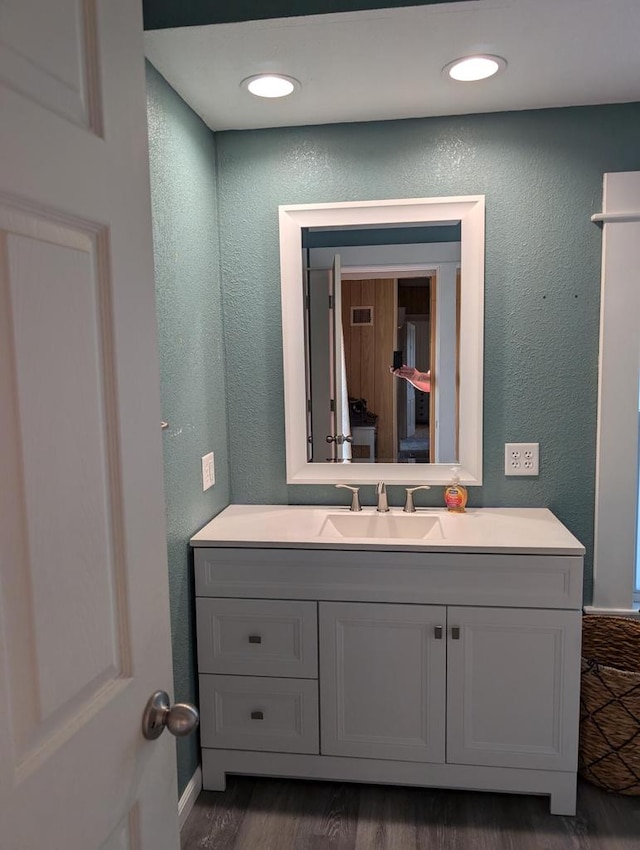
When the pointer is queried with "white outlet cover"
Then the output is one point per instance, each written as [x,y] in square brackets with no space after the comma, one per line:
[208,472]
[521,459]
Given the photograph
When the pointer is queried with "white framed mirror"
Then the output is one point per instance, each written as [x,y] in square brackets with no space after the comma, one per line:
[333,433]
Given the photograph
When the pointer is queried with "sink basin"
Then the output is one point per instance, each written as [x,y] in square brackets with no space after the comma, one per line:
[381,526]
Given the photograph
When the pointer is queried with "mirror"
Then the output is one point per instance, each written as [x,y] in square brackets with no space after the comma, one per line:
[372,296]
[360,282]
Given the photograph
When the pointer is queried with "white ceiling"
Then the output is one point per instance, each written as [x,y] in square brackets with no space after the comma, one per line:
[385,64]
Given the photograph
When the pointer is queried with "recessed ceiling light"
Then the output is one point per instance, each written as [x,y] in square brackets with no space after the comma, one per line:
[270,85]
[472,68]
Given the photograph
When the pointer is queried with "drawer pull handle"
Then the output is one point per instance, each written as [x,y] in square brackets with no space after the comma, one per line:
[257,715]
[455,632]
[437,632]
[255,638]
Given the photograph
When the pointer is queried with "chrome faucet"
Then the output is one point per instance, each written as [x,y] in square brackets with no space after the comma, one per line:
[383,505]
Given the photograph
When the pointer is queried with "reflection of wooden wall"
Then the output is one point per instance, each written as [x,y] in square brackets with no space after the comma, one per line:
[413,295]
[369,353]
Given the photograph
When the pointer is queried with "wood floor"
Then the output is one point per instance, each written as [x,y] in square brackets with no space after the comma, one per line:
[275,814]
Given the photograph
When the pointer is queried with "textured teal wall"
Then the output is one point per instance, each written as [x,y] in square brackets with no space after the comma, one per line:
[541,173]
[159,14]
[187,267]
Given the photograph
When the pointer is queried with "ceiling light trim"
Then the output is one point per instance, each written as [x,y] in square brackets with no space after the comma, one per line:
[282,85]
[493,65]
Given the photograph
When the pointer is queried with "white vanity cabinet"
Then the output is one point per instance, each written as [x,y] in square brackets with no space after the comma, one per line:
[456,669]
[476,686]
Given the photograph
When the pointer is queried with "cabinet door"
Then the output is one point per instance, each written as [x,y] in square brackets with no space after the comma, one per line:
[382,681]
[513,687]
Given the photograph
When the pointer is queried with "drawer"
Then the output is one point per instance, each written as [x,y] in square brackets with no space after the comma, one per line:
[259,713]
[257,637]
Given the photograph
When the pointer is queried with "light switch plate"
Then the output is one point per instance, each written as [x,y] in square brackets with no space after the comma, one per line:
[521,459]
[208,472]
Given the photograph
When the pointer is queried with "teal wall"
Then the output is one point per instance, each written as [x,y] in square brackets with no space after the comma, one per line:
[541,173]
[159,14]
[187,268]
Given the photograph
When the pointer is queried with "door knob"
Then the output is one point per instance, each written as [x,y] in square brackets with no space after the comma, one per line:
[180,719]
[339,439]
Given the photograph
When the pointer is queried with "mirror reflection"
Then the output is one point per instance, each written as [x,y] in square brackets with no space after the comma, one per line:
[382,343]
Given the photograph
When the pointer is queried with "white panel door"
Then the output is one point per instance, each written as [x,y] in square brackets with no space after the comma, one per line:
[341,427]
[320,354]
[513,687]
[84,629]
[382,669]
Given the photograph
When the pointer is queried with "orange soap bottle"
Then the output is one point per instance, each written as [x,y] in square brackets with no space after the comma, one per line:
[455,495]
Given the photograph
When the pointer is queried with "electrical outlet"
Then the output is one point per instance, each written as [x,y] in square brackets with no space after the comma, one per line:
[208,473]
[521,459]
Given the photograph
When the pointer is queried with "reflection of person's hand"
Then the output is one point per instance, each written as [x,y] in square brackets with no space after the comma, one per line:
[420,380]
[407,372]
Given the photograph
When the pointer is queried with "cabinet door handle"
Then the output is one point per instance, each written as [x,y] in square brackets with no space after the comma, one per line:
[437,632]
[255,638]
[455,632]
[257,715]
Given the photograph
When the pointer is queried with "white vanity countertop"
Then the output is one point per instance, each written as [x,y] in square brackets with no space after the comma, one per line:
[501,530]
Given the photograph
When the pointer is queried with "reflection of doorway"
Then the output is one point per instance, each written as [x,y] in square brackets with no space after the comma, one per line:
[381,315]
[377,301]
[416,320]
[368,311]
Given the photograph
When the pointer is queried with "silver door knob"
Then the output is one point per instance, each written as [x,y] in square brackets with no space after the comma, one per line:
[339,439]
[180,719]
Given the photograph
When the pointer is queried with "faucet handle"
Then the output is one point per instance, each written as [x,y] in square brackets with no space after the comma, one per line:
[355,501]
[409,507]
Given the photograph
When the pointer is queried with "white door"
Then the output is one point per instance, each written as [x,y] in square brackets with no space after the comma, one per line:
[320,365]
[339,393]
[84,630]
[513,685]
[382,669]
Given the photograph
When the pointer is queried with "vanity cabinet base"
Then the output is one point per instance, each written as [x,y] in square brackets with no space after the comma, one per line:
[448,669]
[559,786]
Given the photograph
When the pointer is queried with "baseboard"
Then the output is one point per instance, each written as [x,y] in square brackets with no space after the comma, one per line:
[189,796]
[612,612]
[558,784]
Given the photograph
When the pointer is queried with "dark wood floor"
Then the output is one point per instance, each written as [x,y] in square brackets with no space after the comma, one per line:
[274,814]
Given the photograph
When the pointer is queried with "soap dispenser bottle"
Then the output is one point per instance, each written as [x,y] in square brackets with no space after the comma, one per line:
[455,495]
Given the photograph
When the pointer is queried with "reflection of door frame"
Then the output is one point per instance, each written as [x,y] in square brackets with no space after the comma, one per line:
[458,314]
[399,272]
[433,328]
[406,342]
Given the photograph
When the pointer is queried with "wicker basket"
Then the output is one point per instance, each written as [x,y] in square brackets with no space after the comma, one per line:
[609,754]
